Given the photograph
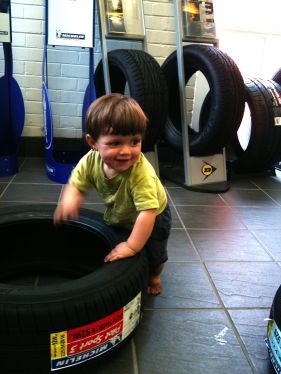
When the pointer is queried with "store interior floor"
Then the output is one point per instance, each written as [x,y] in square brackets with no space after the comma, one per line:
[223,271]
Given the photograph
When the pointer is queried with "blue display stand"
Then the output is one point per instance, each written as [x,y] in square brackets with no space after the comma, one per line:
[59,164]
[12,113]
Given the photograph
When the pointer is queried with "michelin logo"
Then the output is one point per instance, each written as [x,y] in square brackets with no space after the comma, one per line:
[67,35]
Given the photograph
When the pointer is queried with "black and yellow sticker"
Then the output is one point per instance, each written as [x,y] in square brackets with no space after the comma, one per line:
[207,169]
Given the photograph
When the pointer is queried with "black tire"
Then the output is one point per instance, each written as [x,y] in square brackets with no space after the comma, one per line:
[277,76]
[147,85]
[80,290]
[274,318]
[275,310]
[263,150]
[224,108]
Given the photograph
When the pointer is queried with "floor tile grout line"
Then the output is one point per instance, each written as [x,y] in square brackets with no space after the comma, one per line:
[233,188]
[38,183]
[10,182]
[237,215]
[201,260]
[254,206]
[226,202]
[173,309]
[264,247]
[84,203]
[8,185]
[273,206]
[261,189]
[240,341]
[215,290]
[235,330]
[173,205]
[22,164]
[203,205]
[134,357]
[27,202]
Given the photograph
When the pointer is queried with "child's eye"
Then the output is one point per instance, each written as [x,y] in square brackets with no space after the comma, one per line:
[135,141]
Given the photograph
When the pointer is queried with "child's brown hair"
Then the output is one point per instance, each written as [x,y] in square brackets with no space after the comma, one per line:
[115,114]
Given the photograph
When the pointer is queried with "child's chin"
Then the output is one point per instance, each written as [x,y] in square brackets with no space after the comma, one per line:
[122,166]
[120,169]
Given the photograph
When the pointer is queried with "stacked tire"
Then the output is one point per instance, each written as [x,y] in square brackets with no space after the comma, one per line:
[242,115]
[257,144]
[223,107]
[138,74]
[277,76]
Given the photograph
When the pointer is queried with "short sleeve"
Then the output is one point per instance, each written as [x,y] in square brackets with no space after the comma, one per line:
[145,194]
[80,175]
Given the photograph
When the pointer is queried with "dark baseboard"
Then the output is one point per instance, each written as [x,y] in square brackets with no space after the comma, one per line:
[32,147]
[35,146]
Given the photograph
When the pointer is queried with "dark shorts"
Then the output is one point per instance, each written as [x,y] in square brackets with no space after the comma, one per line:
[156,245]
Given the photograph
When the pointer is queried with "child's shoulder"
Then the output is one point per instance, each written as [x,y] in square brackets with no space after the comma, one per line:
[144,166]
[91,155]
[89,159]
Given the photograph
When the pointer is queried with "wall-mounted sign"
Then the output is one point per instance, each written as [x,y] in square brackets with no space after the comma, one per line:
[5,26]
[71,23]
[198,19]
[124,18]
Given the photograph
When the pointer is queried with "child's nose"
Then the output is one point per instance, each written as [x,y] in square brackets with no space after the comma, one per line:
[125,149]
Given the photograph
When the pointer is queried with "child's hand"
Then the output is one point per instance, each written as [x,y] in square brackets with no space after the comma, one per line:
[120,251]
[65,212]
[69,205]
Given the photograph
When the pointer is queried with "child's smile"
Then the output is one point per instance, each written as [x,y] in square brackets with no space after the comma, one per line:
[118,152]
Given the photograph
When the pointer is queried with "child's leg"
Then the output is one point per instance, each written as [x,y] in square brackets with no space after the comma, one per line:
[157,250]
[154,284]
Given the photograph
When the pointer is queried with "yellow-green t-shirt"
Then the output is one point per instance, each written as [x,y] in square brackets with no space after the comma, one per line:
[124,195]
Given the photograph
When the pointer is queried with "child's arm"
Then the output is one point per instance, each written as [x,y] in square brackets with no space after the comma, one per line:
[69,205]
[140,234]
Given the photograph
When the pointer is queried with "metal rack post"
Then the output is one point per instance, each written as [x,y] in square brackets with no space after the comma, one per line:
[194,166]
[153,155]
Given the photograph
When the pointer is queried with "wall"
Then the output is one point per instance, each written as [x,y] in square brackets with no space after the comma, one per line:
[68,67]
[250,32]
[255,53]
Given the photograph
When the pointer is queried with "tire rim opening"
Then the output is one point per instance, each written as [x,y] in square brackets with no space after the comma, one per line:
[39,254]
[244,131]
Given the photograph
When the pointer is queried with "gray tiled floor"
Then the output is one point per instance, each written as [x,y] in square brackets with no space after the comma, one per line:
[218,285]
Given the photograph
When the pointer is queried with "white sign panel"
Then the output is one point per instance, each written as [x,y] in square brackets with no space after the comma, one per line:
[5,35]
[124,18]
[71,22]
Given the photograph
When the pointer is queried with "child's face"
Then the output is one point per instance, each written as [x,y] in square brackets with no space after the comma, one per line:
[119,152]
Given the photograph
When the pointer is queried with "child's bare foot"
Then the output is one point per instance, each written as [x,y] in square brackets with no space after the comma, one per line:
[154,286]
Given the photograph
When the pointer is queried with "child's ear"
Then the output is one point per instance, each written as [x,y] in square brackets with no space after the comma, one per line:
[90,141]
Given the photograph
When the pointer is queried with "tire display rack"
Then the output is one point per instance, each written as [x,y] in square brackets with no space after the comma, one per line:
[133,66]
[208,173]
